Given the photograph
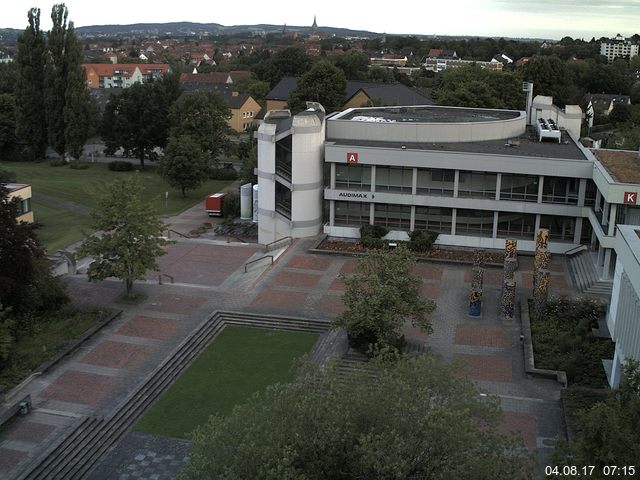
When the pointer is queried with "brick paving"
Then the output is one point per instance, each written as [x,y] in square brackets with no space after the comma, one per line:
[494,368]
[428,271]
[9,459]
[116,354]
[317,262]
[30,431]
[80,387]
[522,426]
[280,300]
[286,278]
[178,304]
[482,335]
[490,276]
[148,327]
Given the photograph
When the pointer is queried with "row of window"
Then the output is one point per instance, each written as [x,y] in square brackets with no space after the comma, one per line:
[471,184]
[248,114]
[477,223]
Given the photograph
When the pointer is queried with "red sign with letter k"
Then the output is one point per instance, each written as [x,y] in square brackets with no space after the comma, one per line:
[630,198]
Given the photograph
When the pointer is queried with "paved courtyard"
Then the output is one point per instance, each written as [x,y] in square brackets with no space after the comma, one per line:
[210,276]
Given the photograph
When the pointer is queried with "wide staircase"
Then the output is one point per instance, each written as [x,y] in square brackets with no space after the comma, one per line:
[86,443]
[585,276]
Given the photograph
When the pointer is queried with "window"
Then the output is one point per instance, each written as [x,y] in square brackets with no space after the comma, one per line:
[283,157]
[394,179]
[478,223]
[516,225]
[477,184]
[519,187]
[560,228]
[283,200]
[394,217]
[353,177]
[560,190]
[590,194]
[435,181]
[24,206]
[351,214]
[434,219]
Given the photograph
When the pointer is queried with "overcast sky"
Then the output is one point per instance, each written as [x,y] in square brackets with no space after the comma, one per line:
[510,18]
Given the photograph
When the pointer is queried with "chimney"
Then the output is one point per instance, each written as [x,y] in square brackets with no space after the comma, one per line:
[234,94]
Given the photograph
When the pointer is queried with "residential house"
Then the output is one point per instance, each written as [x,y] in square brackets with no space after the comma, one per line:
[602,104]
[503,59]
[122,75]
[357,94]
[389,60]
[23,193]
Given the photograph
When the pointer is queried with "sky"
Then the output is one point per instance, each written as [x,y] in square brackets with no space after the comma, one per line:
[550,19]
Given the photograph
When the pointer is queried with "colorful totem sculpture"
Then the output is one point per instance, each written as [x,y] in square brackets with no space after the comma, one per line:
[509,282]
[541,293]
[541,274]
[477,280]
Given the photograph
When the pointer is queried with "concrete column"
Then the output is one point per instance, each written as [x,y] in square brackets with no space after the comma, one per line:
[537,227]
[498,185]
[616,371]
[332,181]
[414,183]
[578,230]
[607,264]
[582,191]
[456,182]
[372,214]
[332,212]
[605,214]
[598,197]
[612,219]
[540,187]
[494,234]
[373,179]
[412,225]
[600,255]
[454,215]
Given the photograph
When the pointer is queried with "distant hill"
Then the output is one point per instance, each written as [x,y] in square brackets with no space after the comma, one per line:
[177,29]
[9,35]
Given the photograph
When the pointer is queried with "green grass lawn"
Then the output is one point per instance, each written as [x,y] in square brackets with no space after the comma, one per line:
[61,226]
[238,363]
[86,187]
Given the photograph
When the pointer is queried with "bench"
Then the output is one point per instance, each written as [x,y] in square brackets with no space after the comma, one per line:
[21,407]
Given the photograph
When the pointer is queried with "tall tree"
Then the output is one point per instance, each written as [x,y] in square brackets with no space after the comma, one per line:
[55,78]
[7,124]
[202,115]
[31,124]
[380,296]
[324,83]
[414,419]
[184,165]
[130,237]
[138,119]
[66,96]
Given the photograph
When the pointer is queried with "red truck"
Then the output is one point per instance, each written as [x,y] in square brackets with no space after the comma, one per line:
[213,204]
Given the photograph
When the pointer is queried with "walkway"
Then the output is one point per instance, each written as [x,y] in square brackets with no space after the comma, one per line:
[210,277]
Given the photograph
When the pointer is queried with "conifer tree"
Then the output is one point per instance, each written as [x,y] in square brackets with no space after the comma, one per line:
[31,127]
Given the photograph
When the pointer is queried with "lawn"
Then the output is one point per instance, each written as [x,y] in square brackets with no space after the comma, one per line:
[238,363]
[61,226]
[86,187]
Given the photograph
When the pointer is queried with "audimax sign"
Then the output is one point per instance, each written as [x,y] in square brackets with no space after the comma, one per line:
[363,196]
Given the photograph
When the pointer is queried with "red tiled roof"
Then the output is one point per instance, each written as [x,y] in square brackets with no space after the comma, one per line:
[125,69]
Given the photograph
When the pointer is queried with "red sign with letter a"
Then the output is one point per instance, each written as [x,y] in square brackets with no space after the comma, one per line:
[352,157]
[630,198]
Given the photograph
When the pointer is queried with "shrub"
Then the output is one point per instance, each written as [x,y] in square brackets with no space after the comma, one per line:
[120,166]
[58,162]
[422,240]
[223,174]
[373,231]
[78,165]
[231,205]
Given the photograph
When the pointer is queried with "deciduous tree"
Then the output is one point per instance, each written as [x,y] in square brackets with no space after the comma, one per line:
[130,235]
[184,164]
[324,83]
[408,420]
[380,296]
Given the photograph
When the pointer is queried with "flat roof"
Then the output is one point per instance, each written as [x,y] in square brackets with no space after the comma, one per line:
[13,187]
[426,114]
[525,145]
[622,165]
